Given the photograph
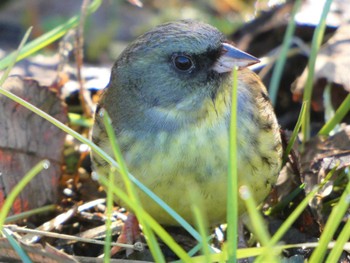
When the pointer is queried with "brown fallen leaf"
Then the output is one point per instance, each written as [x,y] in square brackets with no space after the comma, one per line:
[321,155]
[37,253]
[332,66]
[26,139]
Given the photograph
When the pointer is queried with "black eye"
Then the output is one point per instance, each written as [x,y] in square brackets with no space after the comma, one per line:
[182,62]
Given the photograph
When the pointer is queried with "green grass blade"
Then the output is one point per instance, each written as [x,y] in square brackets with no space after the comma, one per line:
[21,216]
[279,66]
[150,237]
[258,224]
[315,46]
[109,212]
[295,132]
[118,156]
[198,247]
[255,217]
[338,249]
[79,120]
[340,113]
[47,38]
[332,224]
[158,229]
[15,56]
[232,181]
[16,246]
[198,209]
[298,210]
[256,251]
[5,209]
[201,222]
[285,201]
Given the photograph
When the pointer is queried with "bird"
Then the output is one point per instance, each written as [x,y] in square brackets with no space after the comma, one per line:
[169,101]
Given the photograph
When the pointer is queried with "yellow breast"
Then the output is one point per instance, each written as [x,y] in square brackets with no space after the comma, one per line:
[173,165]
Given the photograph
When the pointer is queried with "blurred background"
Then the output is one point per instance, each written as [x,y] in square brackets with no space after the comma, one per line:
[117,22]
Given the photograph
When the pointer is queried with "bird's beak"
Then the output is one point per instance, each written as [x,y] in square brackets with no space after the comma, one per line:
[232,57]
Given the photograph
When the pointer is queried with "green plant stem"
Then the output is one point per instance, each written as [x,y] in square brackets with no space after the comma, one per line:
[297,211]
[44,209]
[47,38]
[340,113]
[256,251]
[151,239]
[232,181]
[158,229]
[279,66]
[5,209]
[16,53]
[16,246]
[295,132]
[197,209]
[331,226]
[258,224]
[109,212]
[336,252]
[285,201]
[315,46]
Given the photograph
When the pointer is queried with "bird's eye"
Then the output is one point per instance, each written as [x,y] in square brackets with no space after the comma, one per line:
[183,62]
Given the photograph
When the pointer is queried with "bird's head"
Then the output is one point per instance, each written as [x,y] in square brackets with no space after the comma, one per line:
[178,64]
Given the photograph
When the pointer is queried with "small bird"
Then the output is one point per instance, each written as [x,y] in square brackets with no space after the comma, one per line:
[169,100]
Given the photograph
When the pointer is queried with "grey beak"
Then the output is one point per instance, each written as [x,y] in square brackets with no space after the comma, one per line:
[232,57]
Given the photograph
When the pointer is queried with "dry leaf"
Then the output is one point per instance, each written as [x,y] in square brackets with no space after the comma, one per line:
[26,139]
[37,253]
[320,156]
[332,66]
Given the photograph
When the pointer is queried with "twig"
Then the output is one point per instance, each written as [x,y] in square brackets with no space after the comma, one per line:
[137,246]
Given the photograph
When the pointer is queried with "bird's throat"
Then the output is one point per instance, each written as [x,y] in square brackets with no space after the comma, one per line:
[194,111]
